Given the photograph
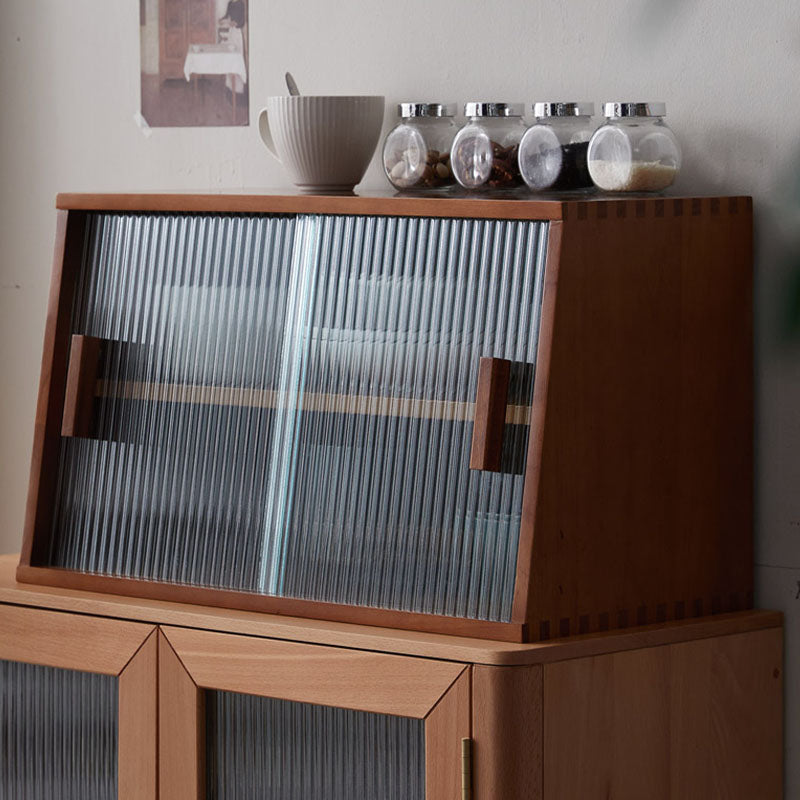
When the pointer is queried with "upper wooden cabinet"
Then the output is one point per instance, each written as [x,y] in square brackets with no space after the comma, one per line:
[509,419]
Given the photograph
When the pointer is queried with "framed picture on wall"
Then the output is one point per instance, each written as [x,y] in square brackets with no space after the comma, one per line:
[194,63]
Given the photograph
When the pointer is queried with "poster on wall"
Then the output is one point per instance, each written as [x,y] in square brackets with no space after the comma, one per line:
[194,63]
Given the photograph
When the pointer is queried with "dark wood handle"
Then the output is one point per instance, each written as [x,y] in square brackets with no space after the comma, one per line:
[494,375]
[84,359]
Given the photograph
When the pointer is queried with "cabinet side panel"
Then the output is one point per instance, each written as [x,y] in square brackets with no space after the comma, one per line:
[695,720]
[645,504]
[507,732]
[727,717]
[606,727]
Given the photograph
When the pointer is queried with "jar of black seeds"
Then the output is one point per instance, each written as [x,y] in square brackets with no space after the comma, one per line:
[553,151]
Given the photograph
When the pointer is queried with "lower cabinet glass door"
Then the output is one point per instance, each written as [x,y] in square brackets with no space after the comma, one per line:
[77,707]
[244,718]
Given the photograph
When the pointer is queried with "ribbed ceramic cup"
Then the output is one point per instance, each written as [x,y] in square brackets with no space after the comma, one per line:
[325,142]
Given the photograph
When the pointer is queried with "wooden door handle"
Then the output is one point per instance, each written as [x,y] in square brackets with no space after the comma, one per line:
[494,376]
[84,360]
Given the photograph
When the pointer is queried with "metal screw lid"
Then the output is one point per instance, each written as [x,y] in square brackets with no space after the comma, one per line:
[628,109]
[572,109]
[426,109]
[481,109]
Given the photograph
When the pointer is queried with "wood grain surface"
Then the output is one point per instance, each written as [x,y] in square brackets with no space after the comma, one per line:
[329,676]
[692,720]
[445,727]
[507,723]
[365,637]
[644,509]
[69,641]
[181,726]
[255,203]
[283,606]
[138,724]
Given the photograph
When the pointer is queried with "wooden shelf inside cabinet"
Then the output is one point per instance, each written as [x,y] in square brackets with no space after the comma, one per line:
[618,493]
[244,397]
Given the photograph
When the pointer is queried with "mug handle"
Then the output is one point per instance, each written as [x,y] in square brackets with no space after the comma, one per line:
[266,135]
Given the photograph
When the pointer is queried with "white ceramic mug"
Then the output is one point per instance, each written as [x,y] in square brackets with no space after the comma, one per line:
[324,142]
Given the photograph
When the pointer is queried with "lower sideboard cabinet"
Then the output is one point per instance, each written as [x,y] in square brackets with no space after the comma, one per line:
[103,696]
[78,707]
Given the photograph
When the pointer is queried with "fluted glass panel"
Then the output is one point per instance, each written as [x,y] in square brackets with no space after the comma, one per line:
[263,749]
[171,485]
[58,734]
[285,406]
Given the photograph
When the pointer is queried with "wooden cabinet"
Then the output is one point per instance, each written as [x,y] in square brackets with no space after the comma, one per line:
[509,419]
[252,705]
[181,23]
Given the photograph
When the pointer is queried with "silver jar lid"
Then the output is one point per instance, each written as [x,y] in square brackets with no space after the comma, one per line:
[481,109]
[627,109]
[426,109]
[563,109]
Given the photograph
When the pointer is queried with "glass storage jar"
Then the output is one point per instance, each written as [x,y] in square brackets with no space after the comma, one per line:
[635,151]
[552,153]
[416,153]
[484,152]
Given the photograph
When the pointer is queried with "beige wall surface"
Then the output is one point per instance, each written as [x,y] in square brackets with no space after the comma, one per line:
[727,69]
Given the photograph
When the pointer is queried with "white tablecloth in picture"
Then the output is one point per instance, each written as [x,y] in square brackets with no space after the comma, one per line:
[215,59]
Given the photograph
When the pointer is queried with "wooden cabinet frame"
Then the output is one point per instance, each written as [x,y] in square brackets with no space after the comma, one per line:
[191,661]
[646,521]
[127,650]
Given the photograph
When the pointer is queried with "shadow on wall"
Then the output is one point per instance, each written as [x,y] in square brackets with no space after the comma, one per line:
[778,225]
[788,235]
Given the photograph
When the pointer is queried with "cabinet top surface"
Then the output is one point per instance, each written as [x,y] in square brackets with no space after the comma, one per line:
[554,207]
[364,637]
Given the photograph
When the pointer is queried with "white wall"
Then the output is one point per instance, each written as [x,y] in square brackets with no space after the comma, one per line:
[728,70]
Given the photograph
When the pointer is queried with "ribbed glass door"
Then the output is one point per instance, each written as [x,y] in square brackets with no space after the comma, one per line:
[371,499]
[58,733]
[259,748]
[285,405]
